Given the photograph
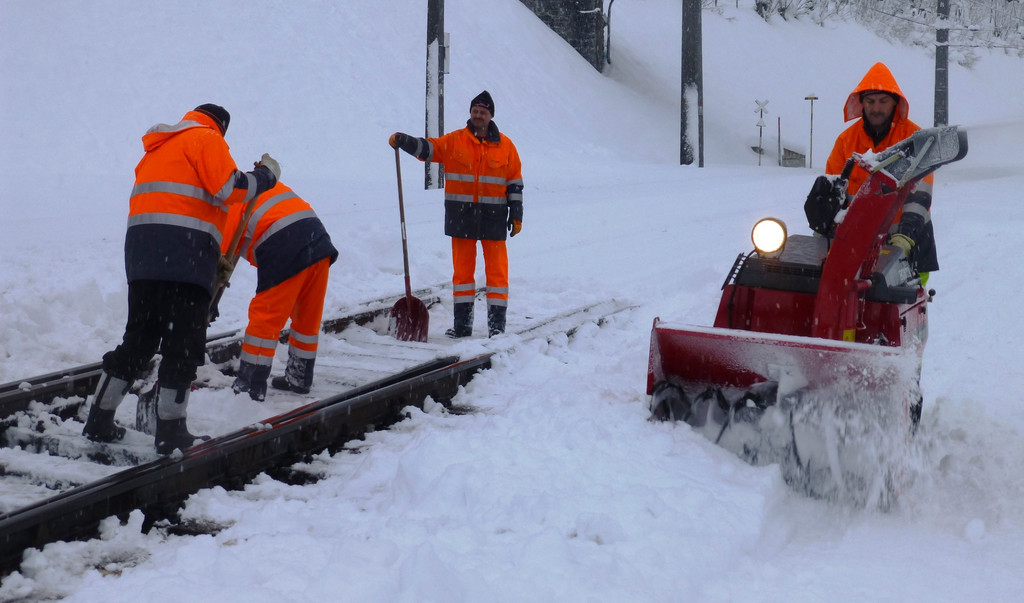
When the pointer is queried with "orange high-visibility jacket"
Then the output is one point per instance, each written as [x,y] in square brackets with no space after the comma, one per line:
[483,186]
[179,205]
[282,238]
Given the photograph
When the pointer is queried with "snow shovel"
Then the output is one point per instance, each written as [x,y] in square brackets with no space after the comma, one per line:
[409,318]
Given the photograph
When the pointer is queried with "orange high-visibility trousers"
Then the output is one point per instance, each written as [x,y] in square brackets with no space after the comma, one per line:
[495,268]
[300,298]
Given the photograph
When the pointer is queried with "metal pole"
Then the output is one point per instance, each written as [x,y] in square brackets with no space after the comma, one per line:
[433,176]
[692,88]
[942,66]
[760,144]
[810,153]
[608,38]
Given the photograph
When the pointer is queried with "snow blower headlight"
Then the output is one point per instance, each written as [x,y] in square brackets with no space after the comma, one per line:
[769,237]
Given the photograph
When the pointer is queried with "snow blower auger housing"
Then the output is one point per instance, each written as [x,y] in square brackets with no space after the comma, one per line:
[814,356]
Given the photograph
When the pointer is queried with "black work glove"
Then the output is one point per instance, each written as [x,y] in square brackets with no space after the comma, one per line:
[822,205]
[514,226]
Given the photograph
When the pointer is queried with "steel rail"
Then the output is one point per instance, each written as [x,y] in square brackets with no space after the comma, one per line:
[159,488]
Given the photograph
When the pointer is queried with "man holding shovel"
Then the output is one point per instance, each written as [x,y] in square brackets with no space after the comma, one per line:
[483,201]
[292,252]
[177,214]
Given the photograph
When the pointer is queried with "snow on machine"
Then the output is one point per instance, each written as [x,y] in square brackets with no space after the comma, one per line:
[814,358]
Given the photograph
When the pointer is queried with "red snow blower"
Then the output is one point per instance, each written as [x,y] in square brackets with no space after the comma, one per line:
[814,357]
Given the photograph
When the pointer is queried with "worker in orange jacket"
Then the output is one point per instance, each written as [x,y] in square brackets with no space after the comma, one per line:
[483,198]
[881,112]
[177,214]
[292,253]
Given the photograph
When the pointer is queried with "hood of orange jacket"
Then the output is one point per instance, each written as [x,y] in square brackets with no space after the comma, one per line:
[161,133]
[877,78]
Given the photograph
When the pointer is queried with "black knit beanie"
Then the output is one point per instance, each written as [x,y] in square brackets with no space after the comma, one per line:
[219,115]
[483,100]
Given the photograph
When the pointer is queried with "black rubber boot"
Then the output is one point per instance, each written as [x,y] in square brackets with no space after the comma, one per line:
[100,426]
[251,378]
[463,326]
[173,434]
[171,429]
[495,320]
[298,375]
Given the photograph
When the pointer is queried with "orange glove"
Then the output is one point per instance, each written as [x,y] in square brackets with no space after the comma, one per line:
[514,226]
[397,140]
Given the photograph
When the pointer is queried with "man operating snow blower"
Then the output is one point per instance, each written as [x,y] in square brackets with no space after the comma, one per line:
[881,112]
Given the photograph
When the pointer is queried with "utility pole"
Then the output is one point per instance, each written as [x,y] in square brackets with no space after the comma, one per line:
[942,65]
[437,66]
[692,88]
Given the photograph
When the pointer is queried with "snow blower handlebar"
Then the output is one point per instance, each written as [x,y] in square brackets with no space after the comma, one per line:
[920,154]
[860,235]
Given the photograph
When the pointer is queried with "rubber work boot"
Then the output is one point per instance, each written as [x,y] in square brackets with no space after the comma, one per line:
[298,375]
[463,326]
[251,378]
[496,320]
[171,429]
[100,426]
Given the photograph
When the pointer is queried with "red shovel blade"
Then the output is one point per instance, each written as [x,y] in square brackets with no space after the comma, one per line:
[410,320]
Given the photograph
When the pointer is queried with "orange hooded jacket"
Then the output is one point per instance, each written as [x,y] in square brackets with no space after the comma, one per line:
[855,138]
[179,204]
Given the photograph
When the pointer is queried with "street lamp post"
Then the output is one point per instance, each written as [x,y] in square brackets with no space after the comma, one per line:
[810,152]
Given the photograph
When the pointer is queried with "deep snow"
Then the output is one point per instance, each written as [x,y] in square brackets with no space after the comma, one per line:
[558,488]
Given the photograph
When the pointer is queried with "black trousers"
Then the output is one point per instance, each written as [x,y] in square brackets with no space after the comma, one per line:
[167,317]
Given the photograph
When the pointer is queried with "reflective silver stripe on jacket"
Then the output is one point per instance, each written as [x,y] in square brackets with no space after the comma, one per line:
[163,219]
[493,180]
[282,223]
[178,127]
[195,192]
[277,226]
[469,199]
[515,189]
[917,208]
[229,187]
[176,188]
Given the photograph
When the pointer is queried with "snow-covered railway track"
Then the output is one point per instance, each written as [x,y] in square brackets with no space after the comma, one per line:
[83,483]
